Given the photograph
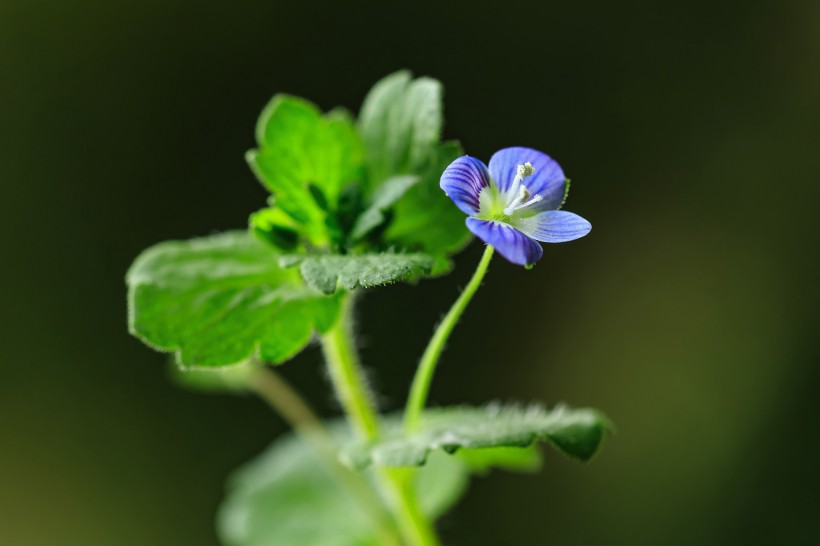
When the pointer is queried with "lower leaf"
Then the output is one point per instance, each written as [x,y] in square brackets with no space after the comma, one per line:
[220,300]
[286,496]
[575,432]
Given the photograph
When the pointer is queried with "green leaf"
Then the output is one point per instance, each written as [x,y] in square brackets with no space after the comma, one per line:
[220,300]
[400,122]
[574,432]
[275,227]
[384,197]
[327,272]
[441,484]
[425,219]
[299,147]
[286,496]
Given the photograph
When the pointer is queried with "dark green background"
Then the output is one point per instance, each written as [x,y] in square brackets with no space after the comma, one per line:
[691,131]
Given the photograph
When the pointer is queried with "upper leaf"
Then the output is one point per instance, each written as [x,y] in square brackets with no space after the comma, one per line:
[287,496]
[575,432]
[425,219]
[219,300]
[327,272]
[306,159]
[383,199]
[400,123]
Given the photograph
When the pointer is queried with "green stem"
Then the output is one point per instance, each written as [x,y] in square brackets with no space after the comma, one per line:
[274,390]
[415,525]
[427,366]
[347,376]
[351,387]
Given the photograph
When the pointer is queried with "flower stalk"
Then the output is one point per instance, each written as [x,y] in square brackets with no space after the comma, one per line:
[427,366]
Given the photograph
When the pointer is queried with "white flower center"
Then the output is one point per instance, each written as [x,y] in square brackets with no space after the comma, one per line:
[518,194]
[502,207]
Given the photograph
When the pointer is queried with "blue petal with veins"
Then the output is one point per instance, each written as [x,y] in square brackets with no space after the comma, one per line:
[513,204]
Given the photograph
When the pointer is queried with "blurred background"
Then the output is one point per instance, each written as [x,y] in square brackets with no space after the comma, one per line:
[691,131]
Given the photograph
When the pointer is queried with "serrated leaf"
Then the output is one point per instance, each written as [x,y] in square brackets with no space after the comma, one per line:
[286,496]
[299,148]
[220,300]
[427,220]
[384,197]
[328,272]
[575,432]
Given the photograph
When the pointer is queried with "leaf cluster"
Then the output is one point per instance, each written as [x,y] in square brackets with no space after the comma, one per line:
[353,204]
[355,187]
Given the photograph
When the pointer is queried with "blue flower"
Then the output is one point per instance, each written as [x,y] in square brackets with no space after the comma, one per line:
[514,203]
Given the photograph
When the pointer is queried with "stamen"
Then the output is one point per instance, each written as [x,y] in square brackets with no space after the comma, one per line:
[514,195]
[523,195]
[525,171]
[535,199]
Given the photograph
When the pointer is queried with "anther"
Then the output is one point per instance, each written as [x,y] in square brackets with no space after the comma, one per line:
[525,171]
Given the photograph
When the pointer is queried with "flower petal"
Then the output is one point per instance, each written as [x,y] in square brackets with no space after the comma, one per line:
[548,180]
[553,226]
[508,241]
[463,180]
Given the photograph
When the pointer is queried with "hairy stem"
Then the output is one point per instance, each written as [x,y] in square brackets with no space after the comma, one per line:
[274,390]
[348,377]
[351,387]
[427,367]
